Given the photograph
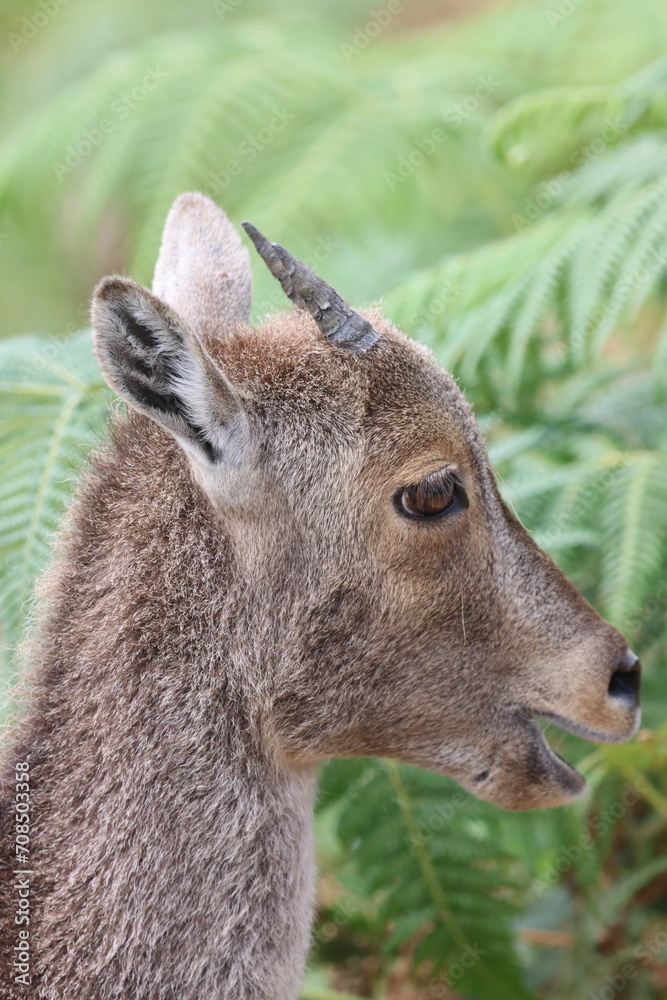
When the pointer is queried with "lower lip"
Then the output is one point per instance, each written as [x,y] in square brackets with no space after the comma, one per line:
[565,774]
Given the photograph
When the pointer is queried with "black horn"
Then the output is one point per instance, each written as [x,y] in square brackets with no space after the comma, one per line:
[338,321]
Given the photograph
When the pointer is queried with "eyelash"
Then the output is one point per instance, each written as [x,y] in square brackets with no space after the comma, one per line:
[413,501]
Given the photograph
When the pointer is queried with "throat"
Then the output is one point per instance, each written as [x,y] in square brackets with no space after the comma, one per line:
[180,871]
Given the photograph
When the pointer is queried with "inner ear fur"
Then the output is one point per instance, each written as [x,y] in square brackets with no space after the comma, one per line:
[148,355]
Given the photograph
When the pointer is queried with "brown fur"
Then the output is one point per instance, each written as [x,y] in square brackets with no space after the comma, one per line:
[208,636]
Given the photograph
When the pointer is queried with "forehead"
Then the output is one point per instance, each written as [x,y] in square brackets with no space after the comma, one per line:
[415,409]
[396,396]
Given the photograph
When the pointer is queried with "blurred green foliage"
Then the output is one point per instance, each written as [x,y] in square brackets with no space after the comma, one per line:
[499,180]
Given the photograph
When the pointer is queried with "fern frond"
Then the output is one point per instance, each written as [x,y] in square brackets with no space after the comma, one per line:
[561,127]
[50,415]
[425,848]
[589,268]
[635,528]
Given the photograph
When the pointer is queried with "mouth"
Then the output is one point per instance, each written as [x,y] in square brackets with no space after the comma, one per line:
[526,772]
[558,776]
[530,774]
[552,770]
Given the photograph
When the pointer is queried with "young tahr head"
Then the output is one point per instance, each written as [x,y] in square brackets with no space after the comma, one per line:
[399,607]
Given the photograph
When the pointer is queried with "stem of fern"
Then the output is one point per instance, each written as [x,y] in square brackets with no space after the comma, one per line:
[422,854]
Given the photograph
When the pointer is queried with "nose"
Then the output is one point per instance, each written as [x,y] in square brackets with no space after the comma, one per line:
[626,678]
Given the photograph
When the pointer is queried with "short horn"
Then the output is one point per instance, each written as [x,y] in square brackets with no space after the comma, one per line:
[338,321]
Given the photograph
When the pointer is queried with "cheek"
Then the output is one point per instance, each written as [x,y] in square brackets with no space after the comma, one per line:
[437,584]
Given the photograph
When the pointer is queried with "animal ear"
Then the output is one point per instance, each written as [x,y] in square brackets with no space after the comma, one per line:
[148,356]
[203,269]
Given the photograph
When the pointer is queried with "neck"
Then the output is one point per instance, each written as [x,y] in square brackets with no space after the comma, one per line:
[181,871]
[172,848]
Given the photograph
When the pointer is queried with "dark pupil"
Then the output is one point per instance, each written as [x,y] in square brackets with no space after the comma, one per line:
[428,498]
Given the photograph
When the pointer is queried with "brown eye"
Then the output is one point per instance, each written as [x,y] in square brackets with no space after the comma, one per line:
[435,495]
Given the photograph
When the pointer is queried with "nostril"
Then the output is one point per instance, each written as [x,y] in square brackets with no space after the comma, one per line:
[626,678]
[624,684]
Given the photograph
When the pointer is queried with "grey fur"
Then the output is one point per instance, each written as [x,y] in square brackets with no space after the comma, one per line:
[203,271]
[235,597]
